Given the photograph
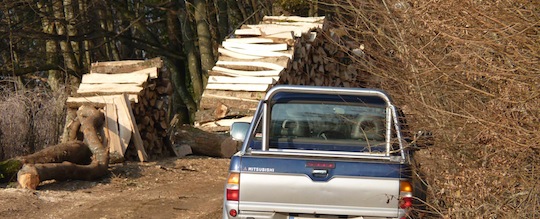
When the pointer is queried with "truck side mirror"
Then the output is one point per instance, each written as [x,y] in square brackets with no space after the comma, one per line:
[423,139]
[239,130]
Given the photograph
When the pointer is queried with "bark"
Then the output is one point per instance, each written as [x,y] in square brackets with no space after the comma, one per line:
[205,39]
[71,30]
[91,119]
[235,18]
[65,46]
[206,143]
[223,20]
[213,25]
[191,52]
[54,76]
[85,58]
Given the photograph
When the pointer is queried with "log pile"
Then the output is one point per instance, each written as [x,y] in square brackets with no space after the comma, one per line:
[280,50]
[134,99]
[248,65]
[324,61]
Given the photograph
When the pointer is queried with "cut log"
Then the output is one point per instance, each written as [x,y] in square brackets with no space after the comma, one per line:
[91,119]
[205,143]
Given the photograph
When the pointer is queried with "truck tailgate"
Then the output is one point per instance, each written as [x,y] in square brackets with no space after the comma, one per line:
[312,186]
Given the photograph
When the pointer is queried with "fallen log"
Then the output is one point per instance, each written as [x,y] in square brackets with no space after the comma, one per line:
[75,152]
[31,174]
[205,143]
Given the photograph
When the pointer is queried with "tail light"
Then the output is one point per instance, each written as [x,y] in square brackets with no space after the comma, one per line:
[405,194]
[233,187]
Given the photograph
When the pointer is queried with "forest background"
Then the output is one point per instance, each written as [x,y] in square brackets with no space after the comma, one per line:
[468,71]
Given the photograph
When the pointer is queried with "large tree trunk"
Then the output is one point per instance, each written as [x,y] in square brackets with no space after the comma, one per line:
[74,152]
[223,21]
[235,18]
[67,50]
[55,77]
[206,143]
[192,54]
[205,39]
[91,120]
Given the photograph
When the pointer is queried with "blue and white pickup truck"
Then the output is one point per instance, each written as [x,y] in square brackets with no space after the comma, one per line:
[320,152]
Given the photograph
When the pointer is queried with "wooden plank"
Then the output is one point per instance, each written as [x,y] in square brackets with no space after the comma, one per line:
[220,111]
[250,40]
[281,61]
[259,53]
[237,55]
[210,101]
[284,35]
[109,88]
[293,19]
[125,127]
[241,80]
[243,95]
[125,66]
[254,46]
[246,73]
[113,135]
[271,29]
[152,72]
[238,87]
[136,135]
[122,78]
[248,32]
[229,122]
[254,64]
[75,102]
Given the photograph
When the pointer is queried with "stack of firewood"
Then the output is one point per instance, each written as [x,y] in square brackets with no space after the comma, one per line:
[151,116]
[248,65]
[324,61]
[134,99]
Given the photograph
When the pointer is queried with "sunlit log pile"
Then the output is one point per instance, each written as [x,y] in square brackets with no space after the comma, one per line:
[134,99]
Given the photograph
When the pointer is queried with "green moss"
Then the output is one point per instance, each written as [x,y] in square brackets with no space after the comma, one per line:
[8,169]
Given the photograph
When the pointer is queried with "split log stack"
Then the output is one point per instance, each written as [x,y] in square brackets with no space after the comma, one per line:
[325,60]
[249,64]
[134,99]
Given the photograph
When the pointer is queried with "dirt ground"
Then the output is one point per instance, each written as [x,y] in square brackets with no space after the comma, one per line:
[189,187]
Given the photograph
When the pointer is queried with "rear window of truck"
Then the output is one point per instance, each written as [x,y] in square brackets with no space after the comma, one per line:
[327,126]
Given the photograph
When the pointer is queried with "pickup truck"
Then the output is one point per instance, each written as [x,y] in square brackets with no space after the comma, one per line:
[320,152]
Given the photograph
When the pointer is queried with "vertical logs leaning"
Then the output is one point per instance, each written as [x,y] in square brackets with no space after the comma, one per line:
[141,120]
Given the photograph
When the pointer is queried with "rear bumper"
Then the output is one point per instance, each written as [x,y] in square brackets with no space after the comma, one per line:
[273,215]
[258,214]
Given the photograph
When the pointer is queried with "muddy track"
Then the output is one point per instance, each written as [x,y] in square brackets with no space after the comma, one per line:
[170,188]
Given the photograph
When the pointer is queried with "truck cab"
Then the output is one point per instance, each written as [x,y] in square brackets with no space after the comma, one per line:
[320,152]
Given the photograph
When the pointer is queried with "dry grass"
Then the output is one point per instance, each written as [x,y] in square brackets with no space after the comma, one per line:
[29,121]
[470,72]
